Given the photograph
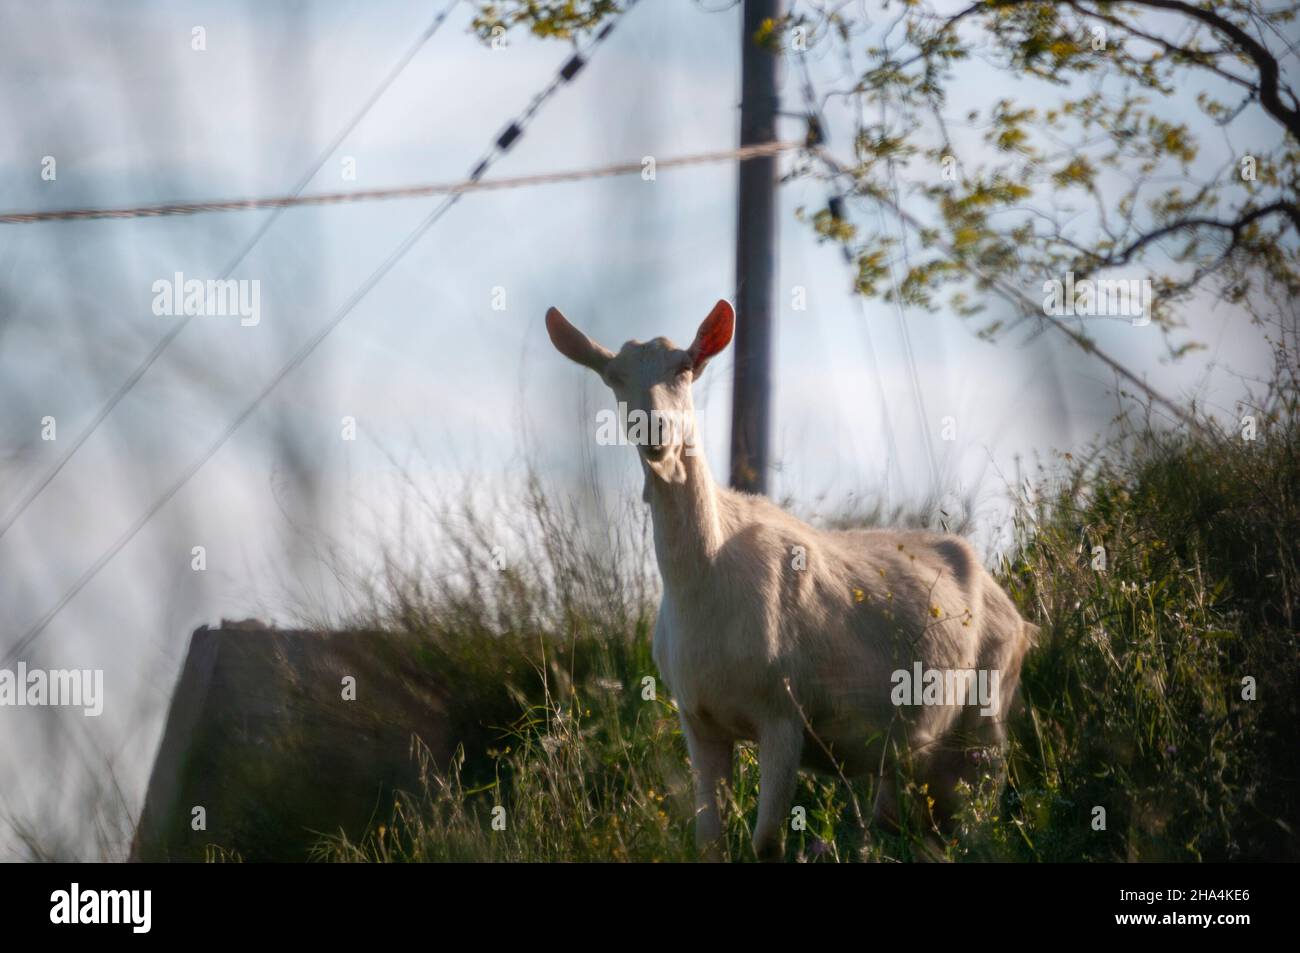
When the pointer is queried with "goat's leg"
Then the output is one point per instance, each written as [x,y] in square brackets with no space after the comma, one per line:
[779,747]
[711,766]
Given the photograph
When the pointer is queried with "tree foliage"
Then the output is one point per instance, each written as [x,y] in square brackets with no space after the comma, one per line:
[1155,139]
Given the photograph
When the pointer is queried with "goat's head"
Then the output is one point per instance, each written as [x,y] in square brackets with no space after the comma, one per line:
[652,382]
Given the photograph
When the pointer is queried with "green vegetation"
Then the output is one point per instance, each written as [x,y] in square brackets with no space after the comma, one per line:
[1133,700]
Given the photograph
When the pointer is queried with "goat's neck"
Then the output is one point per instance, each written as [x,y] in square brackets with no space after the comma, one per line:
[687,523]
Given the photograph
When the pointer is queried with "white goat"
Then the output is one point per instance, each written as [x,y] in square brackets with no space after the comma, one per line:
[803,640]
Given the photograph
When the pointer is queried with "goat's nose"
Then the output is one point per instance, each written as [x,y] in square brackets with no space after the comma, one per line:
[653,452]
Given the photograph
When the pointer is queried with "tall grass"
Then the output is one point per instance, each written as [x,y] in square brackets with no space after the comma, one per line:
[1133,739]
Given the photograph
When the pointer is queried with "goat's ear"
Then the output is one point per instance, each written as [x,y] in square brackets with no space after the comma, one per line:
[575,345]
[714,334]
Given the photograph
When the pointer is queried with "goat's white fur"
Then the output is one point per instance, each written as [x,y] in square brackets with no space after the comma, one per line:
[776,632]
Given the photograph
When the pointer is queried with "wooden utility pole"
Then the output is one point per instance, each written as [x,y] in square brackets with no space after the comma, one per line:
[751,399]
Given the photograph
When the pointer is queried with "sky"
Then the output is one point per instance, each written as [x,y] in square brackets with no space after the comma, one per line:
[436,378]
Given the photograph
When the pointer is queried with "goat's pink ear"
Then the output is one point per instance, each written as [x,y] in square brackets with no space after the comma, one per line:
[575,345]
[714,335]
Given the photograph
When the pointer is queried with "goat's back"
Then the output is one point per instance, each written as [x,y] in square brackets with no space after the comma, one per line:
[833,614]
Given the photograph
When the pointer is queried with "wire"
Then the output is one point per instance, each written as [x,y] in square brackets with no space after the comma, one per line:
[918,395]
[835,205]
[503,143]
[1021,301]
[917,392]
[400,192]
[175,332]
[891,441]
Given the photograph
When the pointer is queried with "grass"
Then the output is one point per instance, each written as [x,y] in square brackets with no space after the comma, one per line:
[1135,738]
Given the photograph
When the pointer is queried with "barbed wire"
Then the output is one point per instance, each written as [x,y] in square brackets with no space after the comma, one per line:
[402,192]
[503,142]
[165,341]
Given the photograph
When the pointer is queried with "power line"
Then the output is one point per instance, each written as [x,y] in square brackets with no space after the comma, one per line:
[835,206]
[917,393]
[498,148]
[890,441]
[175,332]
[757,151]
